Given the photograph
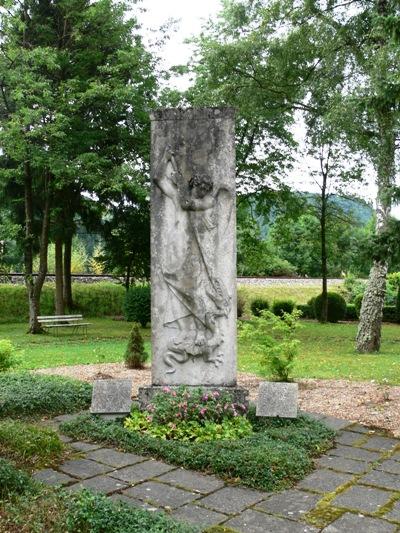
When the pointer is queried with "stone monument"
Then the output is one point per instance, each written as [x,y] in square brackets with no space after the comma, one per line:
[193,250]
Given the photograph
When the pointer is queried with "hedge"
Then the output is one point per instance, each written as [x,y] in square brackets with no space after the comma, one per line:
[95,299]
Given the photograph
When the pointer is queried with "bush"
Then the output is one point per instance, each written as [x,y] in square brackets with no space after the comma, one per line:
[240,303]
[258,305]
[306,310]
[336,307]
[138,304]
[357,303]
[7,359]
[23,394]
[12,481]
[274,457]
[351,312]
[390,313]
[311,305]
[135,355]
[29,445]
[279,307]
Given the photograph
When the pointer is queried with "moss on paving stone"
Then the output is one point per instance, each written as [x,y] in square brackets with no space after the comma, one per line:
[219,529]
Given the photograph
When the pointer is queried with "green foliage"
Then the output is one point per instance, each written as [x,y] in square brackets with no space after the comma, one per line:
[336,307]
[12,481]
[273,338]
[7,355]
[390,313]
[353,288]
[258,305]
[23,394]
[240,304]
[137,305]
[280,307]
[135,355]
[351,312]
[306,310]
[357,302]
[28,445]
[272,458]
[311,304]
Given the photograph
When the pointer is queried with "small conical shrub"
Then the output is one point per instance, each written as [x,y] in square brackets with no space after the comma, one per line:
[135,355]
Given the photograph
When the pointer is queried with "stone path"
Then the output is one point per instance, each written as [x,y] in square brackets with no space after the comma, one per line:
[356,486]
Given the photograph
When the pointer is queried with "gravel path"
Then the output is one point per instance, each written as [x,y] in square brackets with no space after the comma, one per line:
[364,402]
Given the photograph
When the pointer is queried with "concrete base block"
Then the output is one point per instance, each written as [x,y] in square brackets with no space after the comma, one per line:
[277,399]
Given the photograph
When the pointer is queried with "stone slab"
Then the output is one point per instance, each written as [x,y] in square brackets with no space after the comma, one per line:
[355,522]
[382,479]
[277,399]
[142,471]
[84,446]
[335,423]
[394,514]
[65,439]
[364,499]
[324,481]
[352,452]
[381,444]
[193,514]
[256,522]
[160,495]
[137,504]
[359,428]
[111,397]
[84,468]
[191,480]
[391,466]
[52,477]
[103,484]
[231,500]
[349,438]
[290,503]
[343,464]
[114,458]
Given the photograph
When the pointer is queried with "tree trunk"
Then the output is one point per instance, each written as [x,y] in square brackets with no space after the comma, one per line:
[59,276]
[68,302]
[324,257]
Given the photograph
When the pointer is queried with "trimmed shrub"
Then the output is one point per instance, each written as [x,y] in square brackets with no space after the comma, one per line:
[351,312]
[240,303]
[279,307]
[138,304]
[390,313]
[135,355]
[336,307]
[357,303]
[23,394]
[6,355]
[306,310]
[12,481]
[311,305]
[258,305]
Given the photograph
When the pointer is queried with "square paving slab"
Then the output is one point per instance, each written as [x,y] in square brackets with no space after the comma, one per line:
[193,481]
[366,499]
[52,477]
[84,446]
[349,523]
[193,514]
[255,522]
[103,484]
[137,504]
[394,514]
[160,495]
[382,444]
[83,468]
[114,458]
[324,481]
[349,437]
[353,452]
[382,479]
[343,464]
[290,504]
[391,466]
[231,500]
[142,471]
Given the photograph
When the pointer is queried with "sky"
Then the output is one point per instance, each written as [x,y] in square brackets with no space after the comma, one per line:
[190,15]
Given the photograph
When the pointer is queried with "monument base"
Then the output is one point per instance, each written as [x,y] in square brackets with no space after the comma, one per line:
[146,394]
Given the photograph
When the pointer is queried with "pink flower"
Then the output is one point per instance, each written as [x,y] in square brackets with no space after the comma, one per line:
[173,393]
[166,389]
[203,411]
[216,394]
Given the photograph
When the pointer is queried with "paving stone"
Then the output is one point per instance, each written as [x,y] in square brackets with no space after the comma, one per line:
[83,468]
[114,458]
[314,416]
[159,494]
[391,466]
[134,503]
[232,500]
[335,423]
[351,522]
[64,418]
[342,464]
[382,479]
[52,477]
[358,428]
[353,452]
[291,503]
[142,471]
[324,480]
[348,437]
[192,480]
[193,514]
[84,446]
[65,439]
[366,499]
[104,484]
[255,522]
[380,443]
[394,514]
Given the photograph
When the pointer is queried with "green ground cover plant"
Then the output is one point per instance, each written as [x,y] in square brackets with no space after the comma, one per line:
[276,455]
[7,355]
[26,395]
[135,354]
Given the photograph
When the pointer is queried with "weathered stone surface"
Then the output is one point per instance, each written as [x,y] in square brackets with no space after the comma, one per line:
[103,484]
[83,468]
[380,443]
[138,504]
[52,477]
[277,399]
[84,446]
[391,466]
[111,396]
[255,522]
[352,522]
[231,500]
[394,514]
[65,439]
[343,464]
[193,514]
[382,479]
[353,452]
[193,247]
[114,458]
[335,423]
[158,494]
[142,471]
[324,481]
[367,499]
[349,438]
[290,503]
[358,428]
[191,480]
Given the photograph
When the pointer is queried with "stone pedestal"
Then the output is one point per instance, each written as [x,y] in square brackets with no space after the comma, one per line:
[193,248]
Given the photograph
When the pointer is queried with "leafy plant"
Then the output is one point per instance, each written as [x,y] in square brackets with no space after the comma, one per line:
[394,281]
[258,305]
[336,307]
[280,307]
[12,481]
[135,355]
[138,304]
[7,355]
[240,303]
[274,339]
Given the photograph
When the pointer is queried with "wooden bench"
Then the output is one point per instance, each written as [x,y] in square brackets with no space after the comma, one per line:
[63,321]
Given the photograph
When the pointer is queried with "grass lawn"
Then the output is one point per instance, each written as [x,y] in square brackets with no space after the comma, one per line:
[299,293]
[327,351]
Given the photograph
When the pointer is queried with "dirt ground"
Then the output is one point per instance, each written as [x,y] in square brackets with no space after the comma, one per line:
[368,403]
